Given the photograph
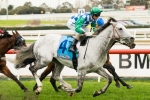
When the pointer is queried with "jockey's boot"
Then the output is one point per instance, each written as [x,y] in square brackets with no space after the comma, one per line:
[73,46]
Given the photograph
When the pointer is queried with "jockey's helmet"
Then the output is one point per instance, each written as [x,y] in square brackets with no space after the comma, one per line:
[95,11]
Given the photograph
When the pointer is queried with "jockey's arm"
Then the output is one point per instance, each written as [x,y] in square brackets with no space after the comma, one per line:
[93,26]
[78,25]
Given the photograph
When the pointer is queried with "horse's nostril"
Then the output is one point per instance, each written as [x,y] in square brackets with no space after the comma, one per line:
[132,38]
[133,45]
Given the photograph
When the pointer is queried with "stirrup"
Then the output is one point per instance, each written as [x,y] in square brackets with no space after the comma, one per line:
[72,49]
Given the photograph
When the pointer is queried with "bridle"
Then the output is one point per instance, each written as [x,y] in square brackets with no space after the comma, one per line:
[115,32]
[17,40]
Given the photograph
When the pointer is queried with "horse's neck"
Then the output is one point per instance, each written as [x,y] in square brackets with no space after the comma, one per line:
[104,39]
[6,44]
[102,42]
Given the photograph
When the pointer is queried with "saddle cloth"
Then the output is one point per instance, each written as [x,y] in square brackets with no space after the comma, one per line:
[63,48]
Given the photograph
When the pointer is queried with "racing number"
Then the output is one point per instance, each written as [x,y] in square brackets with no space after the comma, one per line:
[63,46]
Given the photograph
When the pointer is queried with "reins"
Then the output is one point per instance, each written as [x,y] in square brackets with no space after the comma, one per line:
[86,48]
[114,32]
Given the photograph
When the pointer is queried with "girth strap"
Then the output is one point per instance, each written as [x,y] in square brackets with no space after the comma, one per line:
[74,61]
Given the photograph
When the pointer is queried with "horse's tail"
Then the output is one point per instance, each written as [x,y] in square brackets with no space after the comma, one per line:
[24,56]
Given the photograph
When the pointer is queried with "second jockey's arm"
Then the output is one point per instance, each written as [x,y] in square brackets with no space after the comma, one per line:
[93,26]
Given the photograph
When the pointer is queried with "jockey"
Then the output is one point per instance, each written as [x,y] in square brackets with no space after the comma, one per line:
[99,23]
[79,22]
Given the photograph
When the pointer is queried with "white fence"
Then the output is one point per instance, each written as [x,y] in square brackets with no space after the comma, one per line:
[140,34]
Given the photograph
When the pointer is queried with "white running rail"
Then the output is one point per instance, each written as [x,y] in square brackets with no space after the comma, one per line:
[140,34]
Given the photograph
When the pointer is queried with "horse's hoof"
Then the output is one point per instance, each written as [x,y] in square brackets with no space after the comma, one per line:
[59,87]
[117,85]
[70,93]
[57,90]
[96,94]
[26,90]
[37,93]
[77,90]
[129,87]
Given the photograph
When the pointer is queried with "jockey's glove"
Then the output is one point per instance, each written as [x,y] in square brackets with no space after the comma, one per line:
[89,34]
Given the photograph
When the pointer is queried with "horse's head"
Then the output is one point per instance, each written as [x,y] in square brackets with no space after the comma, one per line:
[19,41]
[122,35]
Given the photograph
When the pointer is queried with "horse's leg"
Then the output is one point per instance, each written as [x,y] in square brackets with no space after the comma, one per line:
[4,69]
[124,83]
[33,70]
[81,76]
[103,73]
[63,84]
[50,68]
[111,69]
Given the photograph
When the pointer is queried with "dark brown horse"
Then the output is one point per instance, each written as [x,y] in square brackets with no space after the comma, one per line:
[7,42]
[108,65]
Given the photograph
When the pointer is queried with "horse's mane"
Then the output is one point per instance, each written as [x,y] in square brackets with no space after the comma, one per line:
[5,34]
[105,25]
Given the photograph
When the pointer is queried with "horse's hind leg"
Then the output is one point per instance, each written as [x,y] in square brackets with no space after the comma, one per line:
[123,83]
[33,70]
[103,73]
[4,69]
[111,69]
[56,76]
[50,68]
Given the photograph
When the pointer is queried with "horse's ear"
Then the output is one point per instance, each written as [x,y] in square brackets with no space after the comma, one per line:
[113,23]
[14,34]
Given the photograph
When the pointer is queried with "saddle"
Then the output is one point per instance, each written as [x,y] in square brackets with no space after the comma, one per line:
[84,39]
[64,52]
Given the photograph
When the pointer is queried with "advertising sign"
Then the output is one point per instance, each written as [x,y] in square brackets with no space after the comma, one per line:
[135,8]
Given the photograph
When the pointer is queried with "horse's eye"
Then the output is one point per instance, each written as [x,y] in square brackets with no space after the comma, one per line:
[120,28]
